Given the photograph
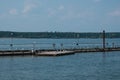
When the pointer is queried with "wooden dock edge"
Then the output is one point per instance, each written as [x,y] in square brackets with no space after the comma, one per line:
[53,52]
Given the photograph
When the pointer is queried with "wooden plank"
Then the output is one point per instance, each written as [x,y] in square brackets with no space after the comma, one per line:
[54,53]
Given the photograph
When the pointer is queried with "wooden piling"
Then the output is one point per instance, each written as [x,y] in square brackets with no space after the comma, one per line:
[104,39]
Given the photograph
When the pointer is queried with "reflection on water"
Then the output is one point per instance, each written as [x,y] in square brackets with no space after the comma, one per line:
[81,66]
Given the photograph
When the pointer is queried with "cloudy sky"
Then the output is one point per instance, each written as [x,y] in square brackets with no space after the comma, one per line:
[60,15]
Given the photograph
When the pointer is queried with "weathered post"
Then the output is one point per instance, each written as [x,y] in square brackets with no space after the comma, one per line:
[104,39]
[54,46]
[11,44]
[113,45]
[33,50]
[61,46]
[78,41]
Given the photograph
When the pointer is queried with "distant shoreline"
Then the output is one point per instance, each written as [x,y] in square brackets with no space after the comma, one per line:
[57,35]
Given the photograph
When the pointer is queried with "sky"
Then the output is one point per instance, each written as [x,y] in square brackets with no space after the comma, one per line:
[60,15]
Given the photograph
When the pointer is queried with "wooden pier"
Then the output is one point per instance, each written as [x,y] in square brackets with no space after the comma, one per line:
[16,53]
[53,52]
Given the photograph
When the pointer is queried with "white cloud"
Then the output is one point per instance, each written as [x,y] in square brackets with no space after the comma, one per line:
[51,12]
[67,13]
[55,11]
[61,7]
[29,5]
[115,13]
[97,0]
[13,12]
[75,15]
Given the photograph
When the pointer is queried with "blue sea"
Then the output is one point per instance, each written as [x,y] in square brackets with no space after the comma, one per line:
[81,66]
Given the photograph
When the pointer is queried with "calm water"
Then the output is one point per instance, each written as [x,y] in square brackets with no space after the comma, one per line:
[48,43]
[81,66]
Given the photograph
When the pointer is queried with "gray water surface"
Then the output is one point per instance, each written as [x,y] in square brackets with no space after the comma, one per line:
[81,66]
[21,44]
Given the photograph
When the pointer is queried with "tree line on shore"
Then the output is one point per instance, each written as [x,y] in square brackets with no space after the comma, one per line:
[9,34]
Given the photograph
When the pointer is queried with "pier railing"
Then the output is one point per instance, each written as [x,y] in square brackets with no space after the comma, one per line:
[60,46]
[55,46]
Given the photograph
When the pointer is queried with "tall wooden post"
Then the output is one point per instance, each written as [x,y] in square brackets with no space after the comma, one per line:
[11,44]
[103,39]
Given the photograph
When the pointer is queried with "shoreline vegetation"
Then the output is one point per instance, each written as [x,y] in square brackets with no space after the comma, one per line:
[58,35]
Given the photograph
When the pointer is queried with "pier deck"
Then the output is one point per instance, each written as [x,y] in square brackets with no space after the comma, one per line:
[54,52]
